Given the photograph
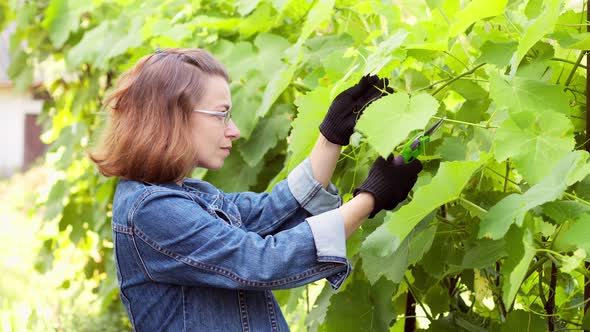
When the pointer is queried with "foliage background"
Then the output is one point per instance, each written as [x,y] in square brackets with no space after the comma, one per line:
[493,237]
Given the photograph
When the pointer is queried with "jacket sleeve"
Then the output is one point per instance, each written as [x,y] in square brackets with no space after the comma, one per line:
[300,194]
[179,242]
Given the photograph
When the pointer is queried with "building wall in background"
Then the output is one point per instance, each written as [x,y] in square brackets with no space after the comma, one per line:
[20,143]
[14,111]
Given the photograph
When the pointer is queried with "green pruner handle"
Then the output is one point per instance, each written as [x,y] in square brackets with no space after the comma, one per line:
[412,150]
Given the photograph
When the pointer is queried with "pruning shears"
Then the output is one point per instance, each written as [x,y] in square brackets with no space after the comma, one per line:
[416,145]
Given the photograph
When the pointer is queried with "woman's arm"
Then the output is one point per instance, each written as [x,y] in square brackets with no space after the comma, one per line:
[355,211]
[176,241]
[323,159]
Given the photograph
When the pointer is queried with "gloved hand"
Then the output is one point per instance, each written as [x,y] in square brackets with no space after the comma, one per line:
[389,181]
[338,125]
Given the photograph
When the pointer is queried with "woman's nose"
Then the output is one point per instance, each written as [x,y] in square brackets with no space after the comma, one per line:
[232,130]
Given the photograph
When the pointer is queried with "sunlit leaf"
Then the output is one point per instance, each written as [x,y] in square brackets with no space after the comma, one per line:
[476,10]
[512,209]
[388,121]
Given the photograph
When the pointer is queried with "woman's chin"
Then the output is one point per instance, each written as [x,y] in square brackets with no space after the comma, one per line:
[211,165]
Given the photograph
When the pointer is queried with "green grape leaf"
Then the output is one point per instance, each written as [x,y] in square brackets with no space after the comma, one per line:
[55,200]
[520,254]
[75,214]
[268,133]
[574,234]
[469,90]
[445,187]
[523,321]
[535,66]
[269,45]
[485,253]
[443,258]
[62,17]
[434,4]
[388,121]
[535,30]
[389,239]
[275,87]
[217,23]
[475,11]
[245,98]
[522,94]
[451,149]
[251,24]
[533,8]
[317,315]
[377,60]
[498,54]
[240,57]
[168,29]
[535,141]
[21,71]
[120,36]
[234,177]
[542,227]
[381,246]
[361,307]
[311,109]
[570,263]
[245,7]
[321,12]
[562,211]
[512,209]
[438,299]
[576,41]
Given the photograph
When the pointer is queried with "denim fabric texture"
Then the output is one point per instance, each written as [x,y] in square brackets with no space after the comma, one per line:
[193,258]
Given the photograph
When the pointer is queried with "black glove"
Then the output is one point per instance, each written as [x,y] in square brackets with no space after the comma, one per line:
[338,125]
[389,181]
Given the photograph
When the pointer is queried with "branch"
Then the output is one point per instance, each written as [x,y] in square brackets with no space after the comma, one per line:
[466,123]
[411,290]
[541,293]
[550,305]
[576,65]
[568,61]
[469,72]
[410,321]
[507,175]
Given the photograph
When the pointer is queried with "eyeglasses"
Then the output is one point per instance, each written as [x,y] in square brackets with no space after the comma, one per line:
[225,115]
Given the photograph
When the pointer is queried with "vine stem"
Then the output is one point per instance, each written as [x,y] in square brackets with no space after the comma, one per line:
[578,61]
[568,61]
[411,290]
[507,175]
[465,123]
[550,306]
[469,72]
[541,293]
[497,295]
[566,194]
[535,267]
[410,316]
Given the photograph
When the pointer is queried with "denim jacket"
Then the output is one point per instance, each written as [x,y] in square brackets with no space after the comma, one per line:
[193,258]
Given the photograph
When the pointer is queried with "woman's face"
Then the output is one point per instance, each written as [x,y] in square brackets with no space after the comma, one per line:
[212,139]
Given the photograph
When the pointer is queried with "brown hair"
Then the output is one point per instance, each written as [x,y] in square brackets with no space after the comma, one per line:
[148,135]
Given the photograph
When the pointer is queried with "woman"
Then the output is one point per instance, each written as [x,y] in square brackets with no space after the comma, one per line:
[190,257]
